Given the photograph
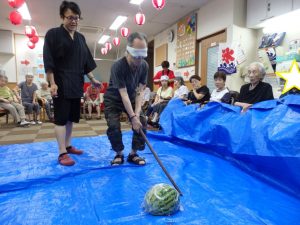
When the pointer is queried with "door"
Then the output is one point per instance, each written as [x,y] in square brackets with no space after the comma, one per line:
[208,56]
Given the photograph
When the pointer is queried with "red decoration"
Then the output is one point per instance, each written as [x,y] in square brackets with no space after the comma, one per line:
[108,46]
[16,3]
[140,18]
[15,18]
[25,62]
[124,31]
[104,51]
[227,55]
[34,39]
[30,45]
[116,41]
[30,31]
[158,4]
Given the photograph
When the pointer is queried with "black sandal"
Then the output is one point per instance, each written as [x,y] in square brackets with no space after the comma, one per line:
[135,159]
[115,162]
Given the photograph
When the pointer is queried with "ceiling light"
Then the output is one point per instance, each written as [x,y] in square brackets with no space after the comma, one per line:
[24,12]
[103,39]
[136,2]
[118,22]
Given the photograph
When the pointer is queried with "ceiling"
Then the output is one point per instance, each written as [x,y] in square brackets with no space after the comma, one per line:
[99,14]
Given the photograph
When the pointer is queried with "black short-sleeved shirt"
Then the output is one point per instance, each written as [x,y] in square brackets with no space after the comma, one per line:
[202,90]
[123,76]
[69,59]
[262,92]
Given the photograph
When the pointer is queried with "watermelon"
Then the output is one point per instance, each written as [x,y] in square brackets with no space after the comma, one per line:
[161,199]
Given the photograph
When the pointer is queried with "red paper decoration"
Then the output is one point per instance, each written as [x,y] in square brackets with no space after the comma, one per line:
[104,51]
[30,45]
[15,18]
[34,39]
[108,46]
[140,18]
[30,31]
[16,3]
[124,31]
[116,41]
[158,4]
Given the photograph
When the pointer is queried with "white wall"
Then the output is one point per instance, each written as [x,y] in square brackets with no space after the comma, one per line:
[215,16]
[8,64]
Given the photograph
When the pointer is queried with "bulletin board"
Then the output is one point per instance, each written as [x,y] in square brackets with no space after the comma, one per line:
[186,41]
[29,60]
[161,54]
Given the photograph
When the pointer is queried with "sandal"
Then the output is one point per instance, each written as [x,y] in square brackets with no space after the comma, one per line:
[135,159]
[118,160]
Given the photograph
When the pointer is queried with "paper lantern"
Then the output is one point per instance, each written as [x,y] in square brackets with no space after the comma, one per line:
[16,3]
[108,46]
[140,18]
[30,31]
[34,39]
[30,45]
[104,51]
[15,18]
[124,31]
[158,4]
[116,41]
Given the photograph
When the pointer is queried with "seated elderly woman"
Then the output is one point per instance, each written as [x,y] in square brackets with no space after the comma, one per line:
[257,90]
[93,99]
[221,93]
[164,94]
[181,90]
[29,99]
[44,96]
[199,94]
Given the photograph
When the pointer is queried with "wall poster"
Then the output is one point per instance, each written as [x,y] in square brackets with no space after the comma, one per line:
[186,41]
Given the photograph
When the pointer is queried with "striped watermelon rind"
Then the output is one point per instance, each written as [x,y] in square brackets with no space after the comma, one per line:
[161,199]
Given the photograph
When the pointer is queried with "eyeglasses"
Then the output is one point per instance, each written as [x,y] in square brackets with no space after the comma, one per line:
[72,18]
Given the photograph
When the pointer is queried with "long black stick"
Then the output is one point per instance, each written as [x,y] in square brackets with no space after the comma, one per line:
[160,163]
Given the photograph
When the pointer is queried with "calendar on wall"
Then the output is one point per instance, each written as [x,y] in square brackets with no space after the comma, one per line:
[186,41]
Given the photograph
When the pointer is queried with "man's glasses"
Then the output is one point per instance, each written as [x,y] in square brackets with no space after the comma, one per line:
[72,18]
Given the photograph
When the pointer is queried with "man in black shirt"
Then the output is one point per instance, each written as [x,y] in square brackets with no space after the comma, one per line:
[124,94]
[66,60]
[256,91]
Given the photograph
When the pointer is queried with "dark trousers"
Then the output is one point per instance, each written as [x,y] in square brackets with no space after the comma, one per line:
[112,115]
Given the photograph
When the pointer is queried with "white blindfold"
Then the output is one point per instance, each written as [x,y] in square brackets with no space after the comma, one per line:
[137,53]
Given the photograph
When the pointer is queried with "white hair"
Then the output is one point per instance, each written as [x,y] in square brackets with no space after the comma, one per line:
[261,68]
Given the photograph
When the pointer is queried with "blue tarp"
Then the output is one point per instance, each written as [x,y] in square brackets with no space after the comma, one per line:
[265,140]
[34,189]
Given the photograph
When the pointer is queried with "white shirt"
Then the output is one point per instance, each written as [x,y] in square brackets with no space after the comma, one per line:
[181,91]
[217,95]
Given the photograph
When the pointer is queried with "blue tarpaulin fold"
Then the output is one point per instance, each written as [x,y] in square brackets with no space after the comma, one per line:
[266,138]
[202,152]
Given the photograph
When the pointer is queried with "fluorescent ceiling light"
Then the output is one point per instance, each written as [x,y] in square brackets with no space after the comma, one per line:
[23,10]
[136,2]
[118,22]
[103,39]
